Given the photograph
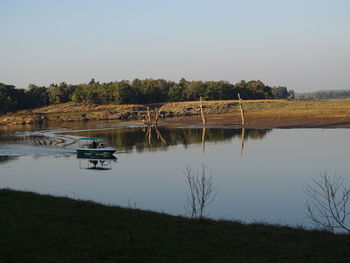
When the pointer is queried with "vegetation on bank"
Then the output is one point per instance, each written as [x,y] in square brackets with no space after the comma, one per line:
[135,92]
[259,113]
[38,228]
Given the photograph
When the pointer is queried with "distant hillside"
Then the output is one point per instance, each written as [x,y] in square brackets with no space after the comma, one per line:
[324,95]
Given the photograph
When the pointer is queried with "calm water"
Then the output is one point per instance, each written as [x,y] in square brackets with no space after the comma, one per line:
[260,178]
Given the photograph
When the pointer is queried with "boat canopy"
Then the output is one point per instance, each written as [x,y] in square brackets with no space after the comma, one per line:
[90,138]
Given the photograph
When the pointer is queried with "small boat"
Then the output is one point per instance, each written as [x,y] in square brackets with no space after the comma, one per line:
[94,147]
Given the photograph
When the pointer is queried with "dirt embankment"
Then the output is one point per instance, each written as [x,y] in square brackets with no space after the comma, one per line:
[259,113]
[70,111]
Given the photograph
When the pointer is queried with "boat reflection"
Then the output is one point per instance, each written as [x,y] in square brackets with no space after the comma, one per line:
[96,164]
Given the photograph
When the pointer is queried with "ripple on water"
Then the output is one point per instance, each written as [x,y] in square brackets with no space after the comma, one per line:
[37,143]
[29,150]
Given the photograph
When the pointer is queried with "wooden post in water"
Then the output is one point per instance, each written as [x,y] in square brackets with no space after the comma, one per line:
[202,112]
[241,108]
[149,122]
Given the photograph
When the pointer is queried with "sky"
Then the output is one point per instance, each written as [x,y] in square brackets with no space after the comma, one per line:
[301,44]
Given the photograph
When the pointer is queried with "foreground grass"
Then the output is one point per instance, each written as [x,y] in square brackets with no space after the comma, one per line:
[37,228]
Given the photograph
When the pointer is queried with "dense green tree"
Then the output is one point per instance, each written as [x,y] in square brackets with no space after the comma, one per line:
[8,98]
[218,90]
[183,83]
[194,90]
[280,92]
[259,90]
[37,96]
[242,88]
[163,87]
[60,93]
[80,93]
[106,92]
[124,93]
[151,91]
[176,93]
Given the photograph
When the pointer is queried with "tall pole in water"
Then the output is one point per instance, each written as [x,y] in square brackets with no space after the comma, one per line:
[202,112]
[241,108]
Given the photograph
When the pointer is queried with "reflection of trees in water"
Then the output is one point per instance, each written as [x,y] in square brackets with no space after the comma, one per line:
[5,137]
[256,134]
[134,138]
[5,159]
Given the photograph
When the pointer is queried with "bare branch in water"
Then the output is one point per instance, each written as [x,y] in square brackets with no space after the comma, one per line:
[201,192]
[327,201]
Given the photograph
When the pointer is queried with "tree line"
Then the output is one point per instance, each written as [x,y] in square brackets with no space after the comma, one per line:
[135,92]
[324,95]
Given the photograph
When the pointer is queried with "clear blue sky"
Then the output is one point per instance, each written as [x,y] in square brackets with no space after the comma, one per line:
[302,44]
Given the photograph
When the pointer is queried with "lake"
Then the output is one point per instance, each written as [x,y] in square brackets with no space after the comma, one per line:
[259,175]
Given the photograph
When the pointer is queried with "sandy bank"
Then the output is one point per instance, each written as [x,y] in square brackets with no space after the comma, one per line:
[259,114]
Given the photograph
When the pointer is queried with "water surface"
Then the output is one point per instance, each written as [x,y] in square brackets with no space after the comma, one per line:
[258,174]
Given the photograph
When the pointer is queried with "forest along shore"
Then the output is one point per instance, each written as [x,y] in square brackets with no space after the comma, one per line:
[223,113]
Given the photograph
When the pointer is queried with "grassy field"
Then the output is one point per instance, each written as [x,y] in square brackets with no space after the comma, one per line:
[38,228]
[289,106]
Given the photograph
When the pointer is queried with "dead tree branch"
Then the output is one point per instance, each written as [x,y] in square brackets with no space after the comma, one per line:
[201,192]
[157,115]
[327,203]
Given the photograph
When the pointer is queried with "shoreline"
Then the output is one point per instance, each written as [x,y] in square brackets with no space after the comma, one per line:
[259,121]
[262,114]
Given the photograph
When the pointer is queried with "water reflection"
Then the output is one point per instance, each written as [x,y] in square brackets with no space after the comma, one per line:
[203,140]
[97,164]
[161,138]
[139,139]
[5,159]
[149,134]
[242,141]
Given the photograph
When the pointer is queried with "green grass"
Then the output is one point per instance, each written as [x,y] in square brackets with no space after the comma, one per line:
[38,228]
